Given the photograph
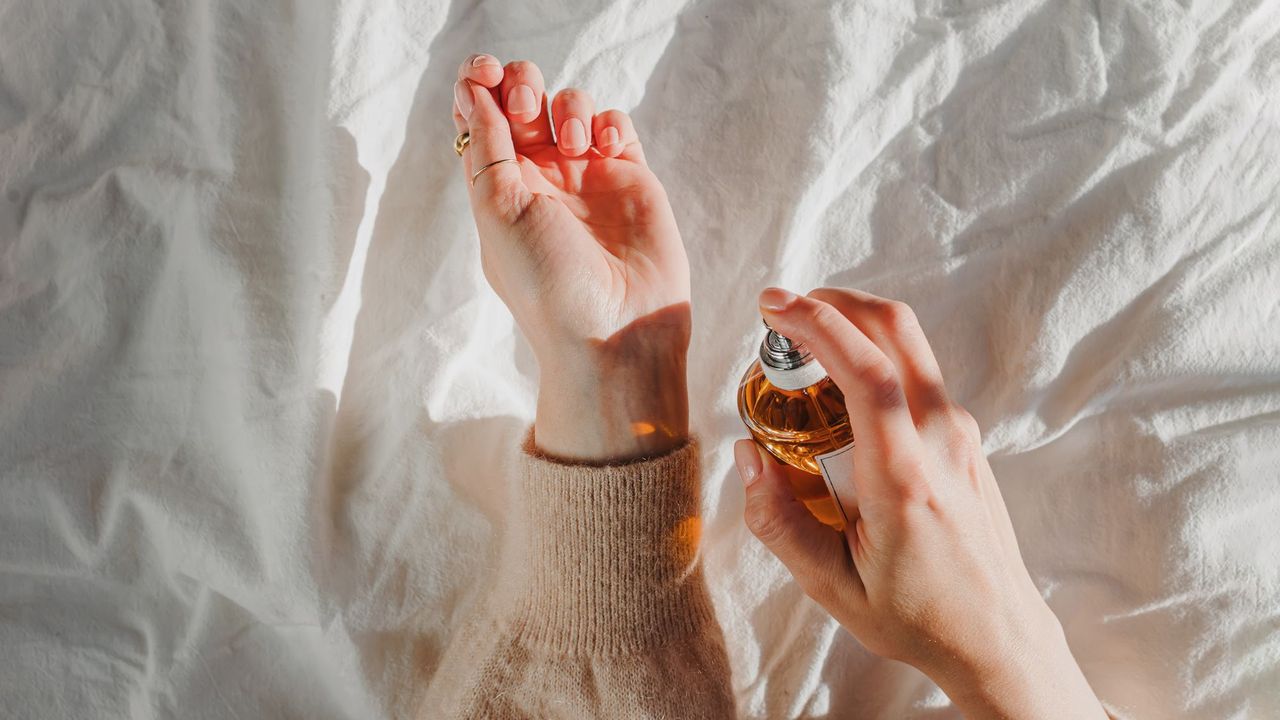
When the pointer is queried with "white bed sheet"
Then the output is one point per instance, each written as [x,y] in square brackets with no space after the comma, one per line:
[256,401]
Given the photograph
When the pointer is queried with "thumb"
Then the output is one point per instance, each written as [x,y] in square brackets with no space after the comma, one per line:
[813,553]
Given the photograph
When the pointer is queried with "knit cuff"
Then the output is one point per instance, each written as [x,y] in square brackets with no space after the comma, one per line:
[605,558]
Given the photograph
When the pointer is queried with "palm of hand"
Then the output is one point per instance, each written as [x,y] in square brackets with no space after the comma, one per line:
[601,234]
[580,242]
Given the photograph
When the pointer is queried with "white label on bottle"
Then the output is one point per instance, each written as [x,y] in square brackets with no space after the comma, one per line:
[796,378]
[837,465]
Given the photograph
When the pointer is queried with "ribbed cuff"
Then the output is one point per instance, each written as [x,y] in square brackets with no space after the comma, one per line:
[605,559]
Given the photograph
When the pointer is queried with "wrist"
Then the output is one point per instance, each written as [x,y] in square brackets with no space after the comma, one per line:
[1028,671]
[615,400]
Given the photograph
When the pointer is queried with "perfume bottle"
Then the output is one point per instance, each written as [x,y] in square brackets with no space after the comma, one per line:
[793,409]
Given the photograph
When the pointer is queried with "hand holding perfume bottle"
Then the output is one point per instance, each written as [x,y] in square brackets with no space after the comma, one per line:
[925,568]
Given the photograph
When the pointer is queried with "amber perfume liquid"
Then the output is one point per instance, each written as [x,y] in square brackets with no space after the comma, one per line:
[805,427]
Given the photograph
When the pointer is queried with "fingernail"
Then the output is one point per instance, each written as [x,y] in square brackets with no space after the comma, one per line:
[609,137]
[482,60]
[573,135]
[747,457]
[776,299]
[463,97]
[520,100]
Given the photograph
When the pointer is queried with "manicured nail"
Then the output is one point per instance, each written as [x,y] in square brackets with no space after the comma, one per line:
[609,137]
[482,60]
[747,457]
[573,135]
[463,97]
[776,299]
[520,100]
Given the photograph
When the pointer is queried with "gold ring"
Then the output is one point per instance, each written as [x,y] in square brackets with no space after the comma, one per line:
[461,142]
[476,174]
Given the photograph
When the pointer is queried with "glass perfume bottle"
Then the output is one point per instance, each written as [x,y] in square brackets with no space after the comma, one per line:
[793,409]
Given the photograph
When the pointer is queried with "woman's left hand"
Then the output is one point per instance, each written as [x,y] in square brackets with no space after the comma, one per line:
[578,239]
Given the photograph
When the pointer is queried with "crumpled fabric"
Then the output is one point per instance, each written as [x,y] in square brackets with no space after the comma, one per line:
[258,405]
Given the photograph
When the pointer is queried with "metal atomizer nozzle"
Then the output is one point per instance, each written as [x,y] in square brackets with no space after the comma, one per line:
[787,363]
[781,352]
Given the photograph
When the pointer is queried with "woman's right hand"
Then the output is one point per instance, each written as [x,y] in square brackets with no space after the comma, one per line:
[928,570]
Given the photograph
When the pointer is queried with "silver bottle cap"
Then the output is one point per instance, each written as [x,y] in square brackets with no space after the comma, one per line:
[788,364]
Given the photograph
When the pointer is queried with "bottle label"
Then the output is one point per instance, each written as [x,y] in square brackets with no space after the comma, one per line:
[837,465]
[797,378]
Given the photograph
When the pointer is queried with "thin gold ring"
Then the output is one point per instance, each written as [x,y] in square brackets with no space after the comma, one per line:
[476,174]
[461,142]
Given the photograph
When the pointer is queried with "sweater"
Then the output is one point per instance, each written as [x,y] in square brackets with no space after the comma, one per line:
[599,608]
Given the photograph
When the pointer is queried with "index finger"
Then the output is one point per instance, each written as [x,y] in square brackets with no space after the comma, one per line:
[490,162]
[893,327]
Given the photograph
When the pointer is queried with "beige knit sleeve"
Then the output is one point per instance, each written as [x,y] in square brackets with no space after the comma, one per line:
[599,609]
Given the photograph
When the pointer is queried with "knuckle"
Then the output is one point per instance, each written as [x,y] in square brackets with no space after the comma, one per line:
[964,422]
[898,316]
[573,96]
[520,67]
[883,384]
[960,446]
[825,319]
[911,493]
[908,484]
[930,402]
[763,521]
